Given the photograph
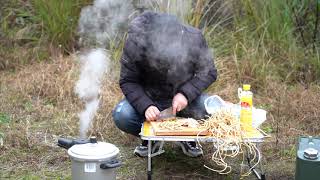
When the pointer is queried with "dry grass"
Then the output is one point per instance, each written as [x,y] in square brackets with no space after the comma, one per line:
[40,101]
[38,96]
[293,110]
[47,89]
[297,104]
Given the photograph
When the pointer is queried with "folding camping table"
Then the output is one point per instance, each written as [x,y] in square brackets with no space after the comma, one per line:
[147,133]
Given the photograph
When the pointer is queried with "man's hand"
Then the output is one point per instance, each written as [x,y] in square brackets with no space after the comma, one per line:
[179,102]
[152,113]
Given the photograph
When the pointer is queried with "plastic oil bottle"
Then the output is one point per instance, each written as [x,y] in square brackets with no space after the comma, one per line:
[245,96]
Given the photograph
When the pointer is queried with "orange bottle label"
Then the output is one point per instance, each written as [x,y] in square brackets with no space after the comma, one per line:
[246,112]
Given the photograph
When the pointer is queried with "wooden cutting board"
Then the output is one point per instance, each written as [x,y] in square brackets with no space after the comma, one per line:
[183,131]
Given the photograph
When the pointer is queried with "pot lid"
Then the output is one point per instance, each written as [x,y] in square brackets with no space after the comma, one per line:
[99,151]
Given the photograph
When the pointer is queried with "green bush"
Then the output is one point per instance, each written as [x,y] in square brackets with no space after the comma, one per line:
[59,20]
[31,30]
[273,38]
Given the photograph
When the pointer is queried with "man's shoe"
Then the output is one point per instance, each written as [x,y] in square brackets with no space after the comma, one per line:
[190,148]
[142,149]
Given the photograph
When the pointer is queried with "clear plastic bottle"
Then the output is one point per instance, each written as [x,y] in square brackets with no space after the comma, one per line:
[245,96]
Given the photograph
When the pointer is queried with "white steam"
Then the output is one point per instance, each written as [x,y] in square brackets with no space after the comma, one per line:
[103,21]
[87,115]
[99,24]
[94,65]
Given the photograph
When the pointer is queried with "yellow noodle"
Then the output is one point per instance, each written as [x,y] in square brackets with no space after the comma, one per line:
[171,125]
[226,129]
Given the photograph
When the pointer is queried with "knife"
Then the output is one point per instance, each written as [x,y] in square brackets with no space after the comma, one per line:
[167,113]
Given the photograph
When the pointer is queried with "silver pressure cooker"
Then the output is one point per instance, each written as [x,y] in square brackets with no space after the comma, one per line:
[91,159]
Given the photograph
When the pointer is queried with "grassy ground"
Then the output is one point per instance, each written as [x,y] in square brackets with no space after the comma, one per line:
[38,105]
[274,46]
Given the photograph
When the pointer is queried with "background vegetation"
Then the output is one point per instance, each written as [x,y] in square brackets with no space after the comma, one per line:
[273,45]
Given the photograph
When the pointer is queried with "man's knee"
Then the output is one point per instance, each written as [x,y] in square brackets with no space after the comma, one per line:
[121,115]
[126,118]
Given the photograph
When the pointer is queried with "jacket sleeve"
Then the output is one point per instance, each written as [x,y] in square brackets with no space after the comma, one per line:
[130,84]
[204,75]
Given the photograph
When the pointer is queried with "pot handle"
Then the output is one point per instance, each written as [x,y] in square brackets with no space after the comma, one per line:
[111,164]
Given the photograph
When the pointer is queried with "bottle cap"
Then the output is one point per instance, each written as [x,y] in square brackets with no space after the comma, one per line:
[246,87]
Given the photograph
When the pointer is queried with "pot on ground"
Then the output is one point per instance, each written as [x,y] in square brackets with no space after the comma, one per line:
[94,161]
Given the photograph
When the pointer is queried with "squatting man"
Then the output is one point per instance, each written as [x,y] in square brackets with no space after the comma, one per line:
[164,63]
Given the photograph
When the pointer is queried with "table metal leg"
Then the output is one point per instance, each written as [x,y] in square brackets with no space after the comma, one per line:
[149,159]
[261,167]
[261,175]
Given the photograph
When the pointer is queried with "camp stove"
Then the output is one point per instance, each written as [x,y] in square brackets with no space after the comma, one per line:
[91,159]
[308,158]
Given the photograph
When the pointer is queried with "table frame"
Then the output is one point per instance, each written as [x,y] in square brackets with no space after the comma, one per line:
[163,139]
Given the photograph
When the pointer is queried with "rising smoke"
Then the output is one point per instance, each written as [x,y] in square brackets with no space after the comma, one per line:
[104,21]
[93,67]
[99,24]
[167,47]
[171,47]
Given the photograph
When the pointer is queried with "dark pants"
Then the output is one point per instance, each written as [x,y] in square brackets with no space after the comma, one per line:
[130,121]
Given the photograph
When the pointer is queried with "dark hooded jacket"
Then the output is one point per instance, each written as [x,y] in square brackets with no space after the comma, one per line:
[162,57]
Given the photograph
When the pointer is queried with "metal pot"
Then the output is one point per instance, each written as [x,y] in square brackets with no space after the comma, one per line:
[94,161]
